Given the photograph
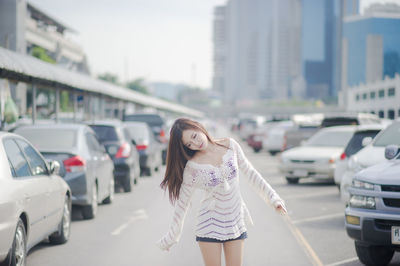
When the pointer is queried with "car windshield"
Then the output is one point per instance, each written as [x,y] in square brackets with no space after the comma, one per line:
[390,135]
[138,132]
[330,138]
[152,120]
[49,138]
[105,133]
[339,121]
[355,143]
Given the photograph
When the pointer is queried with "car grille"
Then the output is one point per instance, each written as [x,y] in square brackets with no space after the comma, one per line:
[302,161]
[390,188]
[392,202]
[386,224]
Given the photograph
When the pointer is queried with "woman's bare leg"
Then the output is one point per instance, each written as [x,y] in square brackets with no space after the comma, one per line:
[233,251]
[211,253]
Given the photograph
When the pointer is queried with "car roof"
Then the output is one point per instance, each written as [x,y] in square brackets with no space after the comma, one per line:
[105,122]
[340,128]
[367,127]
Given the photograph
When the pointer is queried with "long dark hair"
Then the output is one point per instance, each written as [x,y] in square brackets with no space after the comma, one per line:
[178,155]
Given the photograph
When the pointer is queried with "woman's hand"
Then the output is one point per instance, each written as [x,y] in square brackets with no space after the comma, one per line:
[280,207]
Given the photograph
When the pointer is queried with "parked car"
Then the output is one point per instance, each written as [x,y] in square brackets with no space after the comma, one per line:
[35,202]
[372,154]
[84,163]
[373,213]
[343,119]
[318,156]
[274,140]
[362,137]
[121,150]
[150,150]
[157,125]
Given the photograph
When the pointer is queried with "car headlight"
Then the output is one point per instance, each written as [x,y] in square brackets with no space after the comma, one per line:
[365,202]
[354,165]
[362,185]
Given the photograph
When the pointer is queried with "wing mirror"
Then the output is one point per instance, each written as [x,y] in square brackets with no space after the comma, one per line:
[54,167]
[391,151]
[366,141]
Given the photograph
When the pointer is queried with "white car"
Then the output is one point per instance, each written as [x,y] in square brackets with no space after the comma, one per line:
[275,138]
[361,138]
[372,154]
[35,202]
[317,157]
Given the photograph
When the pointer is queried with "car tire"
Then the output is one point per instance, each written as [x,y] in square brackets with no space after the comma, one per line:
[292,180]
[127,184]
[90,211]
[111,192]
[256,149]
[273,153]
[17,254]
[373,255]
[64,228]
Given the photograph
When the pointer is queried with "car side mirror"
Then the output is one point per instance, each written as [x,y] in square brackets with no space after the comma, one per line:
[54,167]
[133,142]
[366,141]
[391,151]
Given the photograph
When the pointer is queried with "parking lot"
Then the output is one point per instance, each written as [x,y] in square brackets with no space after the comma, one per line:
[124,233]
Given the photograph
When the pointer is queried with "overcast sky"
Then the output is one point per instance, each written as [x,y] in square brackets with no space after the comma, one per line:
[160,40]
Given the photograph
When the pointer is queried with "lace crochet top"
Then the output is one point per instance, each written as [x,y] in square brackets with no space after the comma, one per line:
[223,214]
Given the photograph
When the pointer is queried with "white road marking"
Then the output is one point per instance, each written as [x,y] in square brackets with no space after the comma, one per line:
[311,195]
[318,218]
[138,215]
[342,262]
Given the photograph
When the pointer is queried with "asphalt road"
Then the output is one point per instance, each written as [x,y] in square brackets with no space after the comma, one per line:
[124,232]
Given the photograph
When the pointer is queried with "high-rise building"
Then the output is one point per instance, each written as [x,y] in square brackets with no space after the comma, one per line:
[321,31]
[220,46]
[371,47]
[260,51]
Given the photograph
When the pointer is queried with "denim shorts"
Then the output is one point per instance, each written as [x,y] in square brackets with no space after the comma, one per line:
[213,240]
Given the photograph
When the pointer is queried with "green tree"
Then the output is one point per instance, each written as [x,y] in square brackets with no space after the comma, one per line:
[109,78]
[138,85]
[40,53]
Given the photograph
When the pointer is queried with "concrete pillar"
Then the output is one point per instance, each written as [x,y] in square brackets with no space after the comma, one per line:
[33,103]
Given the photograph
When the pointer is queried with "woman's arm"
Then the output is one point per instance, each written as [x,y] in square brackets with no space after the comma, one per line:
[181,207]
[257,182]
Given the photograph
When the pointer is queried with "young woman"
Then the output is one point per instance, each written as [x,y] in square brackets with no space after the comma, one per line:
[195,160]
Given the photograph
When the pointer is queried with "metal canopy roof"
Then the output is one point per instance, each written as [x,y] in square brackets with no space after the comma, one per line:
[29,69]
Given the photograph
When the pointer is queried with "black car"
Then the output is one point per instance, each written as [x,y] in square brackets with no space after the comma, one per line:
[120,148]
[157,125]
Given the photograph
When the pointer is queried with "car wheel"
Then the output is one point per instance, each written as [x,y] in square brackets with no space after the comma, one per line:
[17,255]
[373,255]
[256,149]
[64,228]
[292,180]
[273,153]
[90,211]
[127,184]
[111,191]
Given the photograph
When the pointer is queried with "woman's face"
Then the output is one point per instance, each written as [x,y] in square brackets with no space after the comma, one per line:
[194,139]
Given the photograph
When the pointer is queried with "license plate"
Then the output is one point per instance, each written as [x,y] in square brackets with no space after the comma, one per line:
[300,173]
[396,235]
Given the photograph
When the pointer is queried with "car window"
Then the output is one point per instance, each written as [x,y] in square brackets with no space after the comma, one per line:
[138,133]
[49,138]
[37,164]
[391,135]
[16,158]
[330,138]
[93,144]
[355,143]
[105,133]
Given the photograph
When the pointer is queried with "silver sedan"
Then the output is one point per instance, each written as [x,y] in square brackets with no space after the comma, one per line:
[35,202]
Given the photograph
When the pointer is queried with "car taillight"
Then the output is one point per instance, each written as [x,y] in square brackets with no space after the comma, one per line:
[141,147]
[162,133]
[75,164]
[343,156]
[124,151]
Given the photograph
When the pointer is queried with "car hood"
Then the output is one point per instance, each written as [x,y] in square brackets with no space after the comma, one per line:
[386,173]
[310,152]
[370,155]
